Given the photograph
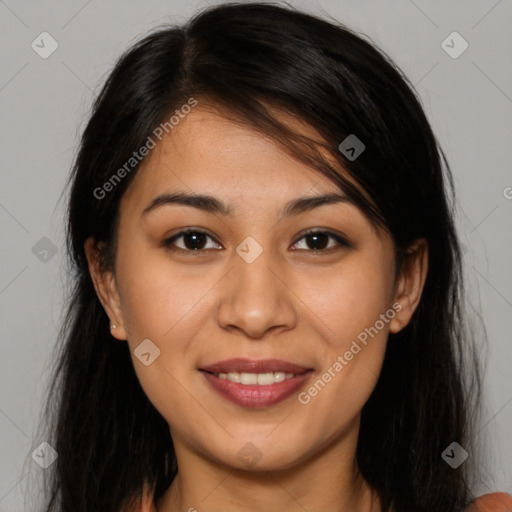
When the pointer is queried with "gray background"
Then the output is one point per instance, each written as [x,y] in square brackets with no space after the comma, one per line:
[44,104]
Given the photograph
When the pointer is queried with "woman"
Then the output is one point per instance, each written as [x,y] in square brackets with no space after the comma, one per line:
[260,215]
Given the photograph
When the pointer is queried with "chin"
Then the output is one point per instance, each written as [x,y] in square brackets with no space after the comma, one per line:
[253,455]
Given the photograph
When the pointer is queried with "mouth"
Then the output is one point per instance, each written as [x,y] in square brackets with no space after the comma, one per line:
[255,379]
[255,383]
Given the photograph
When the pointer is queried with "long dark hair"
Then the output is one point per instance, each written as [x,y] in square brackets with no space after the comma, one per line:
[256,59]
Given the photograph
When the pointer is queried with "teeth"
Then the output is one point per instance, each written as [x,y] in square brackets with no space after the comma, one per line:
[280,376]
[249,378]
[260,379]
[264,379]
[233,377]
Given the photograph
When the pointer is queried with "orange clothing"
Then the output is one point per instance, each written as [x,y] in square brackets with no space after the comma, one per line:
[496,502]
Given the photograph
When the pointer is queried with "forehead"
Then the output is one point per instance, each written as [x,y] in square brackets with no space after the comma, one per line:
[207,152]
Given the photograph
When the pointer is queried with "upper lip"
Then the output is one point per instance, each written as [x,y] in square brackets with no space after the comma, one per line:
[241,365]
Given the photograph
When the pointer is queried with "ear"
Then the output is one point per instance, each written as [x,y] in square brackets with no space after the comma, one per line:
[106,288]
[410,283]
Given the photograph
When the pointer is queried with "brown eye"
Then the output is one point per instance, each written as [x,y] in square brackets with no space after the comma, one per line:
[193,240]
[319,241]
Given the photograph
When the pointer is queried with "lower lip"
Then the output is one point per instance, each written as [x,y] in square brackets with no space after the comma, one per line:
[254,396]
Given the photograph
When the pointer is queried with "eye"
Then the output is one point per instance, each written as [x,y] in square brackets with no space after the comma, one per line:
[196,240]
[193,240]
[319,241]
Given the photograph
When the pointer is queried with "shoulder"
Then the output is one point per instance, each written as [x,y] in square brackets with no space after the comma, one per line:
[496,502]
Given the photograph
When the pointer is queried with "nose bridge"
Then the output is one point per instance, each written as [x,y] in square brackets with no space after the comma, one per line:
[254,299]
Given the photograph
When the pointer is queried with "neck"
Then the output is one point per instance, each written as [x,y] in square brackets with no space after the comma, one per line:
[329,480]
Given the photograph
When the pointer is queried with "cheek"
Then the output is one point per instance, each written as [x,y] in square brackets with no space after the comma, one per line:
[167,307]
[155,296]
[355,306]
[353,298]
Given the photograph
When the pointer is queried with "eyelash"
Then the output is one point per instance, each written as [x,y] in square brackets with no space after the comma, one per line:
[341,241]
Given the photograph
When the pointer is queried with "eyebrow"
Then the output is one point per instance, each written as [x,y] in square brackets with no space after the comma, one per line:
[210,204]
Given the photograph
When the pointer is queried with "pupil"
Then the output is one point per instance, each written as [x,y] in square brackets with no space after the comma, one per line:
[316,245]
[197,240]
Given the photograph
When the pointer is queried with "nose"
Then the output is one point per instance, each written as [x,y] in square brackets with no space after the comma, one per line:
[256,298]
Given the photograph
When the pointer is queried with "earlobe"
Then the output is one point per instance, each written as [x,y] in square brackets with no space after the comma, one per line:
[106,289]
[410,284]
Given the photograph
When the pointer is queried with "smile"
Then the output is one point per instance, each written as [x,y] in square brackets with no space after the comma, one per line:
[260,379]
[255,383]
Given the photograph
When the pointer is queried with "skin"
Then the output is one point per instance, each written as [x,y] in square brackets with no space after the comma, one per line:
[291,303]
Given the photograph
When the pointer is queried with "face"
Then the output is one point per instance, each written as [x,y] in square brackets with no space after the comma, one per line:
[296,303]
